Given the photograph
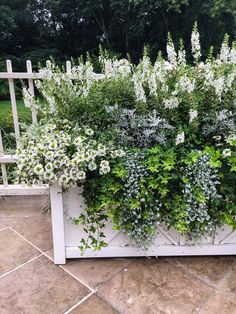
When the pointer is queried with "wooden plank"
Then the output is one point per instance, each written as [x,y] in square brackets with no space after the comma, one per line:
[3,166]
[31,89]
[13,103]
[58,231]
[18,189]
[8,159]
[162,250]
[25,75]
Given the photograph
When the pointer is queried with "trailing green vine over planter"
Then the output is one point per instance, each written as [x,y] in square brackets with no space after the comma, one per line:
[148,143]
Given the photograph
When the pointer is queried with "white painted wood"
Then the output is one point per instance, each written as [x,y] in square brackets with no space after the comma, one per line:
[3,166]
[164,250]
[166,243]
[8,159]
[57,224]
[13,103]
[25,75]
[31,89]
[19,189]
[68,67]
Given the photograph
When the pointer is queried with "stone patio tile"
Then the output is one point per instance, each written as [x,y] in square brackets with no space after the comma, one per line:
[14,251]
[212,268]
[219,303]
[37,230]
[95,272]
[21,206]
[155,286]
[94,305]
[228,284]
[39,287]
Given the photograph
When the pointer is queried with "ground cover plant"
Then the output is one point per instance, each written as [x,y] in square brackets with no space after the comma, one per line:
[149,143]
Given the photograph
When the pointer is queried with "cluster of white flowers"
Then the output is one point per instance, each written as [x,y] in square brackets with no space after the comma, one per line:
[138,89]
[195,42]
[29,99]
[63,156]
[171,103]
[116,68]
[171,53]
[185,84]
[192,115]
[180,138]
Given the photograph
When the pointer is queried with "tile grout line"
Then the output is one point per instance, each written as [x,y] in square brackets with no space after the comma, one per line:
[45,254]
[4,228]
[75,277]
[14,269]
[78,303]
[26,240]
[68,272]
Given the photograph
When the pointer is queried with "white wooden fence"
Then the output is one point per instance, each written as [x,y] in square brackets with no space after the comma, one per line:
[5,188]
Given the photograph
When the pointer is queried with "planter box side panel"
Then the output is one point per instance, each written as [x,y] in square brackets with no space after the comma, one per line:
[167,242]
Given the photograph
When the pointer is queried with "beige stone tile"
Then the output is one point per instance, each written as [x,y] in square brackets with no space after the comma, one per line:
[228,284]
[212,268]
[39,287]
[94,305]
[155,286]
[37,230]
[219,304]
[14,251]
[21,206]
[95,272]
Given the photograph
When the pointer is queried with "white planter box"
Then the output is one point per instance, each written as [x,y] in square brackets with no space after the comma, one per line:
[66,236]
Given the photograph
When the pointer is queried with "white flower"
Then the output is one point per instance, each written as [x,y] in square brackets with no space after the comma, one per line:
[117,153]
[138,89]
[49,166]
[38,169]
[171,103]
[63,180]
[101,150]
[152,84]
[171,53]
[181,57]
[226,152]
[186,85]
[81,175]
[218,84]
[225,52]
[192,115]
[89,131]
[180,138]
[104,167]
[195,41]
[92,166]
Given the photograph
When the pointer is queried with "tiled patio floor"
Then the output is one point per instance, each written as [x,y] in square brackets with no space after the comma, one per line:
[31,283]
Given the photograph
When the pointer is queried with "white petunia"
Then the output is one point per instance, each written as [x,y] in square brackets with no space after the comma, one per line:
[38,169]
[81,175]
[104,167]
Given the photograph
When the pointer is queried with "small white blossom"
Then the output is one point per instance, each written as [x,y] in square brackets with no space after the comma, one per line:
[226,152]
[180,138]
[192,115]
[38,169]
[171,103]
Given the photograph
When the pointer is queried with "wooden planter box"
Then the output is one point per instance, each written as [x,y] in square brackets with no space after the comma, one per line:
[66,236]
